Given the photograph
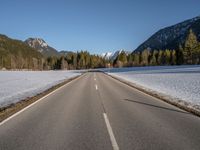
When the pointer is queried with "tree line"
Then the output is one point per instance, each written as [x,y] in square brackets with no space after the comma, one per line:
[187,53]
[16,55]
[78,60]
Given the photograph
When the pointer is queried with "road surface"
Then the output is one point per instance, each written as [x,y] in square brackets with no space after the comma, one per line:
[97,112]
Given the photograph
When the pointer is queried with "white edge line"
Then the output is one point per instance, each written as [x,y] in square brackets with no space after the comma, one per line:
[111,134]
[17,113]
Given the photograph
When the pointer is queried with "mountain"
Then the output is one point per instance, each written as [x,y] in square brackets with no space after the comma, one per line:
[42,47]
[106,55]
[113,55]
[64,53]
[15,54]
[171,37]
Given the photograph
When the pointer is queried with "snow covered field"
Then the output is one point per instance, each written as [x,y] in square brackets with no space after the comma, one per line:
[177,82]
[18,85]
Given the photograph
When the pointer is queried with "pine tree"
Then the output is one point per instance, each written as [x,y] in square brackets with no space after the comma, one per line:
[121,60]
[196,57]
[179,56]
[190,46]
[173,57]
[154,56]
[136,59]
[130,60]
[160,57]
[167,57]
[64,64]
[145,57]
[198,54]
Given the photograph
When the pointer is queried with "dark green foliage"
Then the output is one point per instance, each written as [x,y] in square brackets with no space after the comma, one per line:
[79,60]
[121,60]
[145,57]
[154,58]
[173,36]
[136,59]
[173,59]
[189,48]
[179,55]
[15,54]
[189,53]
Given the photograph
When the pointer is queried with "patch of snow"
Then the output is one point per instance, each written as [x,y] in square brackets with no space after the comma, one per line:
[113,55]
[108,55]
[18,85]
[41,42]
[178,82]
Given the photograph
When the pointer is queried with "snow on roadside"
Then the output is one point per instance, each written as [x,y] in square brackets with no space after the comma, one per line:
[178,83]
[18,85]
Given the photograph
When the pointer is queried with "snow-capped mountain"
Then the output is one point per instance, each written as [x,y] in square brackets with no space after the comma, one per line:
[107,55]
[41,46]
[171,37]
[113,55]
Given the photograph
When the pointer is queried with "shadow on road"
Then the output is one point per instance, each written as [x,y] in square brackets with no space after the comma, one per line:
[155,106]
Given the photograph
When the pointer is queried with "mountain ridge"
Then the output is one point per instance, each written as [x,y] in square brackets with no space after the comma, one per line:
[41,46]
[113,55]
[16,54]
[172,36]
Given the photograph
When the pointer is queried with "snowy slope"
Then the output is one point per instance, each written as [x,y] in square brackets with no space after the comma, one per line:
[113,55]
[41,46]
[18,85]
[171,37]
[178,82]
[107,55]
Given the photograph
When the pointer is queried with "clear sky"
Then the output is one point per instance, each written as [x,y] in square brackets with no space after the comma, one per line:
[94,25]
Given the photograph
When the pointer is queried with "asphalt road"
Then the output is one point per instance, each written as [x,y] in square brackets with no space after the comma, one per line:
[97,112]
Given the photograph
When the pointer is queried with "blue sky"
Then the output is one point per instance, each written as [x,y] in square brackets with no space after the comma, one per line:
[94,25]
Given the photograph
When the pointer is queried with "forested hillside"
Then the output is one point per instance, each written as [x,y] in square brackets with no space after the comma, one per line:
[187,53]
[35,54]
[41,46]
[173,36]
[14,54]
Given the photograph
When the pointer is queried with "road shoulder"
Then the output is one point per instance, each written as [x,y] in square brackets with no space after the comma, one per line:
[179,103]
[10,110]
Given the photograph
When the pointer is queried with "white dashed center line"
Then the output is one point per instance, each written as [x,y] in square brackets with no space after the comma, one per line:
[110,132]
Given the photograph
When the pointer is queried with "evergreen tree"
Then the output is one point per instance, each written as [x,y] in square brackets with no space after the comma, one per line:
[198,54]
[153,60]
[190,46]
[173,57]
[121,60]
[160,57]
[145,57]
[63,64]
[179,56]
[136,59]
[167,57]
[74,61]
[130,60]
